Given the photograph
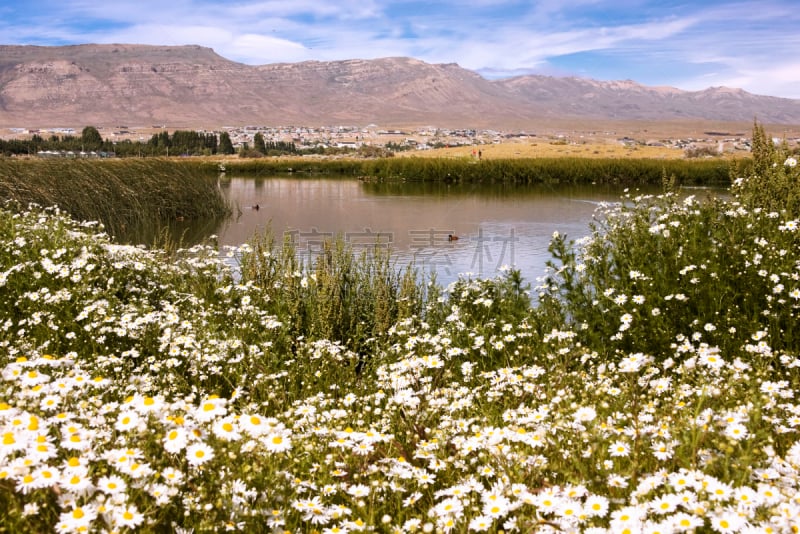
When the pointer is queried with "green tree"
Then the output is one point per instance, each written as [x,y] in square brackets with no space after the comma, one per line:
[225,145]
[258,143]
[91,138]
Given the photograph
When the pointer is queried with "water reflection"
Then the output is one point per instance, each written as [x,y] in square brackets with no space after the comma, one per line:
[495,224]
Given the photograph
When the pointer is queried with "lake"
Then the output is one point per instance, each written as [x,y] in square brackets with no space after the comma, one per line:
[495,225]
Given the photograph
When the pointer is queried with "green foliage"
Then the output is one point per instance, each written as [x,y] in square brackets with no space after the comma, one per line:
[91,138]
[180,142]
[370,151]
[771,183]
[258,143]
[261,148]
[399,147]
[701,152]
[225,144]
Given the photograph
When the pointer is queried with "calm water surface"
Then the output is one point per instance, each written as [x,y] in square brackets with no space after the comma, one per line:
[496,225]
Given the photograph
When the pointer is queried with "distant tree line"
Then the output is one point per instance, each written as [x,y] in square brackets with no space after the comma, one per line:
[90,140]
[179,143]
[261,147]
[183,143]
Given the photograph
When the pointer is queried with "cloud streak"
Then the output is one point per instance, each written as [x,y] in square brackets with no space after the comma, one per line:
[690,45]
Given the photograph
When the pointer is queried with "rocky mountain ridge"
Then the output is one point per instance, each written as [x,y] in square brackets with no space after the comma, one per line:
[194,86]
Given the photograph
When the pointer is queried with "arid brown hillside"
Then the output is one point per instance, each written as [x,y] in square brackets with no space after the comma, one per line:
[193,86]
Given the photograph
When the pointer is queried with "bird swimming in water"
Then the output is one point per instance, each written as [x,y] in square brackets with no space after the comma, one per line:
[451,237]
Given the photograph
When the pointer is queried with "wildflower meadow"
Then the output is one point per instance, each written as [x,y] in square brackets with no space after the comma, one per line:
[647,383]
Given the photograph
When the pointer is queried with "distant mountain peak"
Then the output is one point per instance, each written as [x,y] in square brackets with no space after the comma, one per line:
[194,86]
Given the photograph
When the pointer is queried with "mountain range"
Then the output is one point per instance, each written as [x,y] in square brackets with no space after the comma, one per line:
[192,86]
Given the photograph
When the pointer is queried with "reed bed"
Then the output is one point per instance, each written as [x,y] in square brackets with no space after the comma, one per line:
[551,170]
[121,194]
[563,170]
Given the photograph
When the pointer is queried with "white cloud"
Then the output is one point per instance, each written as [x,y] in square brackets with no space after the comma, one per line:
[167,34]
[262,49]
[779,78]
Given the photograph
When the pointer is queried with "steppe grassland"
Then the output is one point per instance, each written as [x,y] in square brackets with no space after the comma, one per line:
[149,392]
[548,149]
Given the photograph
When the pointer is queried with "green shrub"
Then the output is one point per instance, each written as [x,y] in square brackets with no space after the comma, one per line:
[661,271]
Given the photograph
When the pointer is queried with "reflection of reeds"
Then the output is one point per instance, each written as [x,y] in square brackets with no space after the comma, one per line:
[122,194]
[295,166]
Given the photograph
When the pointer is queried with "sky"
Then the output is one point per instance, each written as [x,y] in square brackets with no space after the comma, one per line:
[692,45]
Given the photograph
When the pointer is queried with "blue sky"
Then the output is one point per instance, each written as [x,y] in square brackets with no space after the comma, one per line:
[692,45]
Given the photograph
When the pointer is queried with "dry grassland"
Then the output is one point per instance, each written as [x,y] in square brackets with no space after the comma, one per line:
[545,149]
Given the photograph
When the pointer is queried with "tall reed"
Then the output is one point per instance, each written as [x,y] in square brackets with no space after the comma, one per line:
[521,171]
[122,194]
[341,294]
[551,170]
